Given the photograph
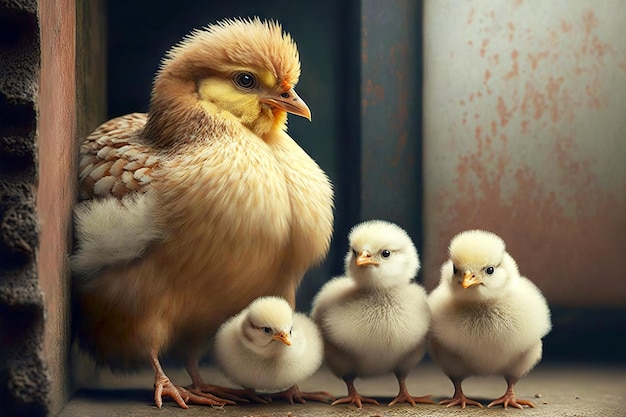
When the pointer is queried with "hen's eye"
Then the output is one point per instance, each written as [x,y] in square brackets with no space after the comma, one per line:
[454,270]
[385,253]
[489,270]
[266,329]
[245,80]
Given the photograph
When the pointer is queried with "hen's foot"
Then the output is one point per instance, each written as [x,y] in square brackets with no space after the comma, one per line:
[460,399]
[509,399]
[163,386]
[182,396]
[230,394]
[294,394]
[405,397]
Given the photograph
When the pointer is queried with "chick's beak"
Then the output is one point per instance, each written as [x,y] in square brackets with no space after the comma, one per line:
[282,337]
[470,279]
[290,102]
[365,258]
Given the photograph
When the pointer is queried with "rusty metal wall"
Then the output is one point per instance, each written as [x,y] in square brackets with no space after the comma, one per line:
[525,135]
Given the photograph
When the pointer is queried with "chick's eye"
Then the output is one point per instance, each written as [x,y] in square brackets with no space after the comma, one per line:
[489,270]
[245,80]
[454,270]
[385,253]
[266,329]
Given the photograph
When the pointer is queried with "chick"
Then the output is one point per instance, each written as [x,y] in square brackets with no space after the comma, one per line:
[373,319]
[197,208]
[487,319]
[269,348]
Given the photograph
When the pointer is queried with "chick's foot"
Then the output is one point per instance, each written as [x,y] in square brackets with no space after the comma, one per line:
[294,394]
[354,397]
[509,399]
[459,398]
[405,397]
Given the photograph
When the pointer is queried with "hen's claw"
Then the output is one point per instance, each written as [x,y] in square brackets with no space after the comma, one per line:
[294,394]
[163,386]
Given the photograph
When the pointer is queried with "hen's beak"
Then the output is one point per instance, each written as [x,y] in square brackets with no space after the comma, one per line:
[470,279]
[282,337]
[365,258]
[290,102]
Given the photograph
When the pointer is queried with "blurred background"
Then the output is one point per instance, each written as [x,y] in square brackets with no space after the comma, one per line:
[446,115]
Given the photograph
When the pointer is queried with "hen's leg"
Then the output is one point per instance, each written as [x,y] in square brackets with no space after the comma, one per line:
[509,397]
[163,385]
[405,397]
[353,396]
[459,398]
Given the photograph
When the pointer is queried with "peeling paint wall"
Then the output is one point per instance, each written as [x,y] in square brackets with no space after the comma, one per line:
[525,135]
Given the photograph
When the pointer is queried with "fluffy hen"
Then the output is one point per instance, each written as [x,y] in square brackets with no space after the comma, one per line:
[195,209]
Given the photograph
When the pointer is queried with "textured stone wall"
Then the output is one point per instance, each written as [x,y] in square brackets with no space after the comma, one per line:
[24,383]
[52,82]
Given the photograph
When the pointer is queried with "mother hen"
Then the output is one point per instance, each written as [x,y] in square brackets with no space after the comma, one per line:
[195,209]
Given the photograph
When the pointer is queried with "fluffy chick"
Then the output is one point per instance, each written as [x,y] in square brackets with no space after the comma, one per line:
[269,348]
[374,319]
[487,319]
[197,208]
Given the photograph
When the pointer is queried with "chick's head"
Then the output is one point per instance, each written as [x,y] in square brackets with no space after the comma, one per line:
[242,69]
[381,255]
[479,266]
[268,322]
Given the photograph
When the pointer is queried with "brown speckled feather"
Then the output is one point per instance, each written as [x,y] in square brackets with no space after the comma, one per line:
[114,161]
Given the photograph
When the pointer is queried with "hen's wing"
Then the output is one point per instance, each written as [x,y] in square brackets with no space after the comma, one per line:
[114,223]
[114,161]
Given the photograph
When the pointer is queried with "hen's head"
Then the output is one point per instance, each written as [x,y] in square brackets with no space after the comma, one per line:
[240,69]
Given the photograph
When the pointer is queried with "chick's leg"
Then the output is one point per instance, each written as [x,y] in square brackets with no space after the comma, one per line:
[353,396]
[202,389]
[294,394]
[459,398]
[404,396]
[509,397]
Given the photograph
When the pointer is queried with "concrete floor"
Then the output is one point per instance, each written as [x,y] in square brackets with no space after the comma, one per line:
[572,391]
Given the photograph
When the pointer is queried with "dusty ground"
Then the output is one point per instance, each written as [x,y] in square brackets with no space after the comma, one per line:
[573,391]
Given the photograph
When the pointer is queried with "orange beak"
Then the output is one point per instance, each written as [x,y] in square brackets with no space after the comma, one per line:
[282,337]
[365,258]
[290,102]
[470,279]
